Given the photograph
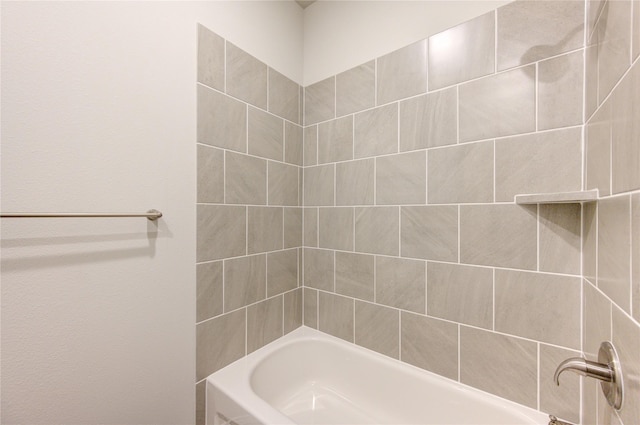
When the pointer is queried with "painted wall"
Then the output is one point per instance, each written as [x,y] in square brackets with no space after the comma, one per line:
[99,114]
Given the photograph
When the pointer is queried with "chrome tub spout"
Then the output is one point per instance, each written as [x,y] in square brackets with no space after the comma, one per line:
[585,368]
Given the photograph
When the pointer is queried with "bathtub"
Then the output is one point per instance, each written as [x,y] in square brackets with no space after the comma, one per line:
[308,377]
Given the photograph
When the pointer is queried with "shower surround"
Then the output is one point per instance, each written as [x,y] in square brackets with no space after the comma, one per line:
[412,243]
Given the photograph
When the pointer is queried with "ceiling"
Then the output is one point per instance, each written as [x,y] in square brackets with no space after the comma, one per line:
[304,3]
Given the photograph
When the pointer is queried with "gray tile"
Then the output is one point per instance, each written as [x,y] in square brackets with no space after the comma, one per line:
[461,174]
[336,228]
[430,232]
[376,328]
[210,175]
[401,179]
[319,101]
[354,275]
[539,163]
[245,179]
[377,230]
[635,37]
[211,355]
[310,143]
[635,255]
[318,269]
[529,31]
[376,131]
[498,105]
[598,150]
[429,120]
[463,52]
[614,243]
[355,182]
[499,364]
[626,338]
[596,320]
[562,401]
[560,248]
[222,121]
[526,305]
[614,44]
[498,235]
[560,91]
[460,293]
[401,283]
[264,323]
[284,96]
[310,310]
[221,232]
[283,184]
[429,344]
[310,231]
[201,401]
[356,89]
[591,77]
[594,10]
[266,135]
[293,144]
[589,240]
[336,315]
[210,58]
[590,390]
[292,227]
[282,271]
[402,73]
[245,281]
[208,290]
[264,229]
[335,140]
[292,310]
[246,77]
[319,185]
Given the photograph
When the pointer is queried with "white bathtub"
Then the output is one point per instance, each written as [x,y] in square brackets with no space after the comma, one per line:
[308,377]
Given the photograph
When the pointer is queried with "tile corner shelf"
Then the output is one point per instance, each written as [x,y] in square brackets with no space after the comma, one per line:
[558,197]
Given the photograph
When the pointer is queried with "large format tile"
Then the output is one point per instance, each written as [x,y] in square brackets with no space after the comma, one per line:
[589,240]
[319,101]
[596,320]
[245,281]
[376,328]
[429,120]
[266,135]
[336,228]
[539,163]
[201,403]
[222,121]
[354,275]
[310,310]
[498,235]
[319,185]
[430,232]
[210,175]
[626,339]
[401,179]
[221,232]
[310,143]
[246,77]
[560,91]
[376,132]
[498,105]
[356,89]
[526,305]
[400,283]
[318,269]
[292,227]
[310,227]
[210,354]
[292,310]
[402,73]
[635,255]
[463,52]
[264,323]
[499,364]
[635,37]
[529,31]
[561,401]
[283,184]
[264,229]
[284,96]
[293,144]
[282,271]
[208,290]
[377,230]
[598,150]
[336,315]
[614,44]
[461,174]
[210,58]
[355,182]
[335,140]
[245,179]
[429,344]
[460,293]
[559,238]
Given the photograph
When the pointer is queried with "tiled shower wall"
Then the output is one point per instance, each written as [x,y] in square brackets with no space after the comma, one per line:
[249,224]
[413,245]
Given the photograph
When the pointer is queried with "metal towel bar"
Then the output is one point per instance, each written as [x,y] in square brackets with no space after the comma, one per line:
[151,215]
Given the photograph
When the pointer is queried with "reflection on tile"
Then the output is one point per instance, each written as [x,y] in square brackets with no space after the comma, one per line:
[376,131]
[635,255]
[598,147]
[283,96]
[527,306]
[614,44]
[292,227]
[355,182]
[282,271]
[400,283]
[293,145]
[222,121]
[264,229]
[310,227]
[310,156]
[310,310]
[318,185]
[429,344]
[292,310]
[597,321]
[539,163]
[245,281]
[498,235]
[430,232]
[356,89]
[499,364]
[402,73]
[463,52]
[319,101]
[336,315]
[266,135]
[376,328]
[208,290]
[377,230]
[245,179]
[626,339]
[354,275]
[221,232]
[561,401]
[460,293]
[429,120]
[210,59]
[560,238]
[560,88]
[461,174]
[283,184]
[246,77]
[401,179]
[498,105]
[529,31]
[264,323]
[210,354]
[336,228]
[318,269]
[335,140]
[210,175]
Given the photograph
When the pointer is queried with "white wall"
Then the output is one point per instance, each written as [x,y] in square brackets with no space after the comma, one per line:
[339,35]
[99,114]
